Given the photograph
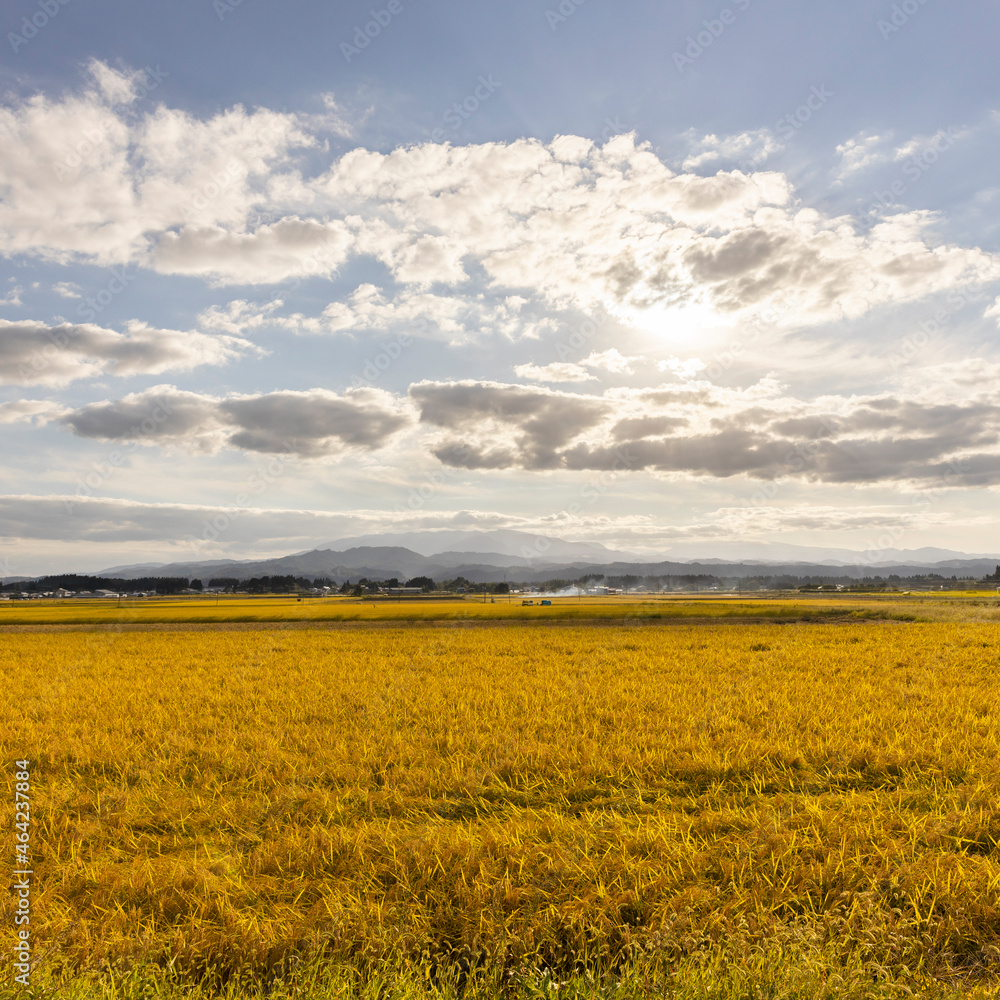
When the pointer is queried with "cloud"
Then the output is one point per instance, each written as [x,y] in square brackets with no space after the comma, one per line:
[114,86]
[747,149]
[187,532]
[939,427]
[558,371]
[617,230]
[516,426]
[565,225]
[681,368]
[178,528]
[13,297]
[923,144]
[33,353]
[337,119]
[27,410]
[741,521]
[90,177]
[455,318]
[67,289]
[291,247]
[947,431]
[311,424]
[860,152]
[611,361]
[238,316]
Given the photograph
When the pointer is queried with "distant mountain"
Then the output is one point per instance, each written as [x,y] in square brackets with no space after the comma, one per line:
[521,545]
[380,562]
[768,553]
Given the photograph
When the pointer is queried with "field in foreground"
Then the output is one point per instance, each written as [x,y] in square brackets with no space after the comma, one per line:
[694,809]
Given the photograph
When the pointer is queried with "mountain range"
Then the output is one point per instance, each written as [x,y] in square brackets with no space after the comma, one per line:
[490,556]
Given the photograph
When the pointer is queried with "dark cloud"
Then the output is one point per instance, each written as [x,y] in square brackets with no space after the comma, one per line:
[706,431]
[541,421]
[34,353]
[636,428]
[309,424]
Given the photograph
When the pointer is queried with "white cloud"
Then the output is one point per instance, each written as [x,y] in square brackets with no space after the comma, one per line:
[860,152]
[568,224]
[749,150]
[114,86]
[29,410]
[558,371]
[67,289]
[611,361]
[337,119]
[455,318]
[88,177]
[942,140]
[291,247]
[238,316]
[683,369]
[763,519]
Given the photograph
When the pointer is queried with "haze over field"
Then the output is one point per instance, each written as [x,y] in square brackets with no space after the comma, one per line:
[687,280]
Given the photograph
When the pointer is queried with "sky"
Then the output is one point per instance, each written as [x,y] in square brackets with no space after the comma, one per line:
[677,278]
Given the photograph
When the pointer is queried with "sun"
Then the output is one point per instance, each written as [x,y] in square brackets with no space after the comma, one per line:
[683,329]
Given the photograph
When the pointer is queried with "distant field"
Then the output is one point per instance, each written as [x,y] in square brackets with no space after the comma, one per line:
[963,605]
[811,806]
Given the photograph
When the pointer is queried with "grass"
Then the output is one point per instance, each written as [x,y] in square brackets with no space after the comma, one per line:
[740,812]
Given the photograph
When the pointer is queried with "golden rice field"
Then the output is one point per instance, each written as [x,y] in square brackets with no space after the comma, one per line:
[739,810]
[128,613]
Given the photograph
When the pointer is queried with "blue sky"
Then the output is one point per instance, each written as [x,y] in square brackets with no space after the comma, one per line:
[691,278]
